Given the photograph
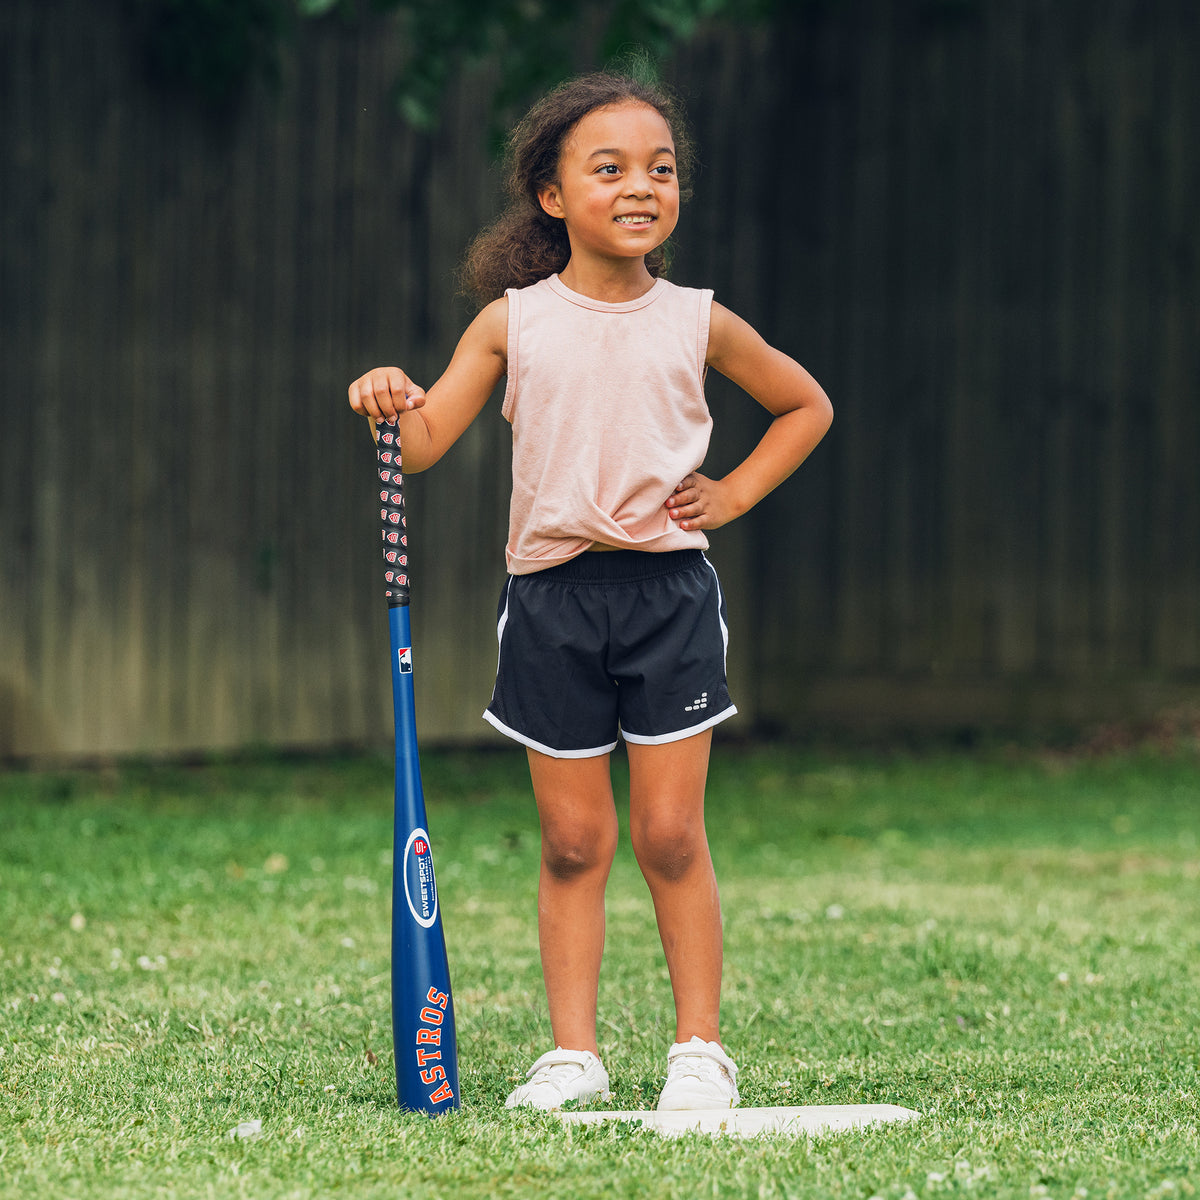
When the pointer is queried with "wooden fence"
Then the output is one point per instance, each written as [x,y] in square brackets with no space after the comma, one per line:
[973,222]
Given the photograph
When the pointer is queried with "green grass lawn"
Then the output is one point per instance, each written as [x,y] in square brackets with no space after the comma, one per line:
[1008,942]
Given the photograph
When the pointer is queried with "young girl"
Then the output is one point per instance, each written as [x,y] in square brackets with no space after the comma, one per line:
[612,621]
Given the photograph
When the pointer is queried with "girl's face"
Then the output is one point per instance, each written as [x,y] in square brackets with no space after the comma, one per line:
[617,189]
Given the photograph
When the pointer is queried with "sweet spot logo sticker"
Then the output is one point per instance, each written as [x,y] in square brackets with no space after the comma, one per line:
[420,888]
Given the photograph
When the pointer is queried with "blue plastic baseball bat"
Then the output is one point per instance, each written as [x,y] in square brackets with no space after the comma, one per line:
[422,1002]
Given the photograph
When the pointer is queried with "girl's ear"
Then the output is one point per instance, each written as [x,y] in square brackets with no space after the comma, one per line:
[550,200]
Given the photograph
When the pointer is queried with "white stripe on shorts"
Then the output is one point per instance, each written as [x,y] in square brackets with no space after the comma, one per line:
[491,719]
[502,622]
[663,739]
[720,619]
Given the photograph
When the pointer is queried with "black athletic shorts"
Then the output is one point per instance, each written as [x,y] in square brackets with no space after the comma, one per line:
[612,643]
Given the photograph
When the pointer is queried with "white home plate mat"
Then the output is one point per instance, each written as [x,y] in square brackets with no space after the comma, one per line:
[810,1119]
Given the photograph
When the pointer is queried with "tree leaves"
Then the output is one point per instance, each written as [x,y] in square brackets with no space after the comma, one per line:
[538,42]
[215,47]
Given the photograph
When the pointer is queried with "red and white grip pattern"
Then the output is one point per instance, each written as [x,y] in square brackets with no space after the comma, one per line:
[391,516]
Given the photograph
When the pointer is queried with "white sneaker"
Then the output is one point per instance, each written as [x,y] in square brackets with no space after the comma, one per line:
[699,1075]
[560,1076]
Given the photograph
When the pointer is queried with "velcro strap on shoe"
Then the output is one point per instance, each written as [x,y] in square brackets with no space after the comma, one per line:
[560,1058]
[708,1050]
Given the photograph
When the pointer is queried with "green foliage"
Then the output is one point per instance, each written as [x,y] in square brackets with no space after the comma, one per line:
[215,47]
[1010,945]
[538,42]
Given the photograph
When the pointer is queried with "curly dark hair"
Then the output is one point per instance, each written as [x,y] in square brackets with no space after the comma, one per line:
[525,243]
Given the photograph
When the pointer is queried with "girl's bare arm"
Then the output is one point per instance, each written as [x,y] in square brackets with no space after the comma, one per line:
[431,422]
[802,414]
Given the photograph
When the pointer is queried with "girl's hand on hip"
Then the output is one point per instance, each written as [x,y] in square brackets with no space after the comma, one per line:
[701,503]
[384,393]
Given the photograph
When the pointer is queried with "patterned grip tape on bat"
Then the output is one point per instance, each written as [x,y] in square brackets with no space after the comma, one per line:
[391,516]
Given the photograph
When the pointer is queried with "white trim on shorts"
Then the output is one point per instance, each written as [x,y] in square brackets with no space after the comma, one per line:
[720,619]
[552,751]
[500,624]
[664,739]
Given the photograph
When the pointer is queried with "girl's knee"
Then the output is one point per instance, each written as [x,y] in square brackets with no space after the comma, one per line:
[669,849]
[570,853]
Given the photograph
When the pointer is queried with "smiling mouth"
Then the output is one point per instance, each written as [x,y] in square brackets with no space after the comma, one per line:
[636,219]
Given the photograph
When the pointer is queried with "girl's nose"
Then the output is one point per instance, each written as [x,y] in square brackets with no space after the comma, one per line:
[639,184]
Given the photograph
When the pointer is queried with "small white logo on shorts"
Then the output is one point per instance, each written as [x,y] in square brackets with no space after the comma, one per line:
[696,705]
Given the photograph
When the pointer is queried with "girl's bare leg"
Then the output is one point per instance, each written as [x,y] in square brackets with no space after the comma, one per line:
[666,817]
[579,839]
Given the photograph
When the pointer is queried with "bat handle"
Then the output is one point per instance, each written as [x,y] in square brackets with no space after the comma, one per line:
[394,528]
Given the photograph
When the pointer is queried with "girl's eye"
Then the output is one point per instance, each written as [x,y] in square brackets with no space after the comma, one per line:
[609,169]
[664,169]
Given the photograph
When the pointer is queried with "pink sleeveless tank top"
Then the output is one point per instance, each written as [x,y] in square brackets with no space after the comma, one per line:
[608,414]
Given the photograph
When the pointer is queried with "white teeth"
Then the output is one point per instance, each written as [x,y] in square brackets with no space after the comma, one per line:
[642,220]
